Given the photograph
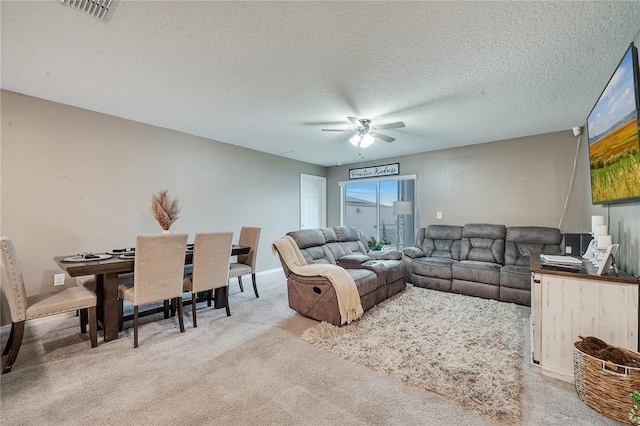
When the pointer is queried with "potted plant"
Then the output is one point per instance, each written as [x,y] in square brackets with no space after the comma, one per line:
[634,414]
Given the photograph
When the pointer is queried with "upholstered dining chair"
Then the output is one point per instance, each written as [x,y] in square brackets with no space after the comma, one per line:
[211,257]
[246,264]
[89,281]
[25,308]
[157,274]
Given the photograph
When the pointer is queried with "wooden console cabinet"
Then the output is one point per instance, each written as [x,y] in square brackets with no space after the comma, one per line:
[565,305]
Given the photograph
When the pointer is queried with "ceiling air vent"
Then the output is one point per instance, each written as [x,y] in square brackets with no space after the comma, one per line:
[96,8]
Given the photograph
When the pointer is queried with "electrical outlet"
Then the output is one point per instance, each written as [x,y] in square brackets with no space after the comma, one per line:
[567,249]
[438,215]
[58,279]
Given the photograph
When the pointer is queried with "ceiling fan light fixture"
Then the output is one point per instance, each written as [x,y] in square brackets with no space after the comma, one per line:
[367,140]
[364,134]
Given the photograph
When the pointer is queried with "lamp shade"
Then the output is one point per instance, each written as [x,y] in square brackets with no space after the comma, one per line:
[402,207]
[367,140]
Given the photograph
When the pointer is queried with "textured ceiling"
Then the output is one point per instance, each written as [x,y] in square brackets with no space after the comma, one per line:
[269,75]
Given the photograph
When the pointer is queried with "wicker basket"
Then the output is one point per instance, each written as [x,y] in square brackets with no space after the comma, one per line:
[605,386]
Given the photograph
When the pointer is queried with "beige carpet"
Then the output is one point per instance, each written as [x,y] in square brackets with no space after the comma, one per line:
[248,369]
[465,348]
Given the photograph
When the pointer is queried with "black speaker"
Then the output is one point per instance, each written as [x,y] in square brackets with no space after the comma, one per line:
[576,244]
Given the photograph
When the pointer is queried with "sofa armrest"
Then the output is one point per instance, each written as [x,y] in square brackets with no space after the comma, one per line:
[385,255]
[352,261]
[413,252]
[376,266]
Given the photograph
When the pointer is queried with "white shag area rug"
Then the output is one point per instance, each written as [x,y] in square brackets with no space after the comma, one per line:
[464,348]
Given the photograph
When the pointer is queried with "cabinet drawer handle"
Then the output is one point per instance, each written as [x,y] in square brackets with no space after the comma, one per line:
[536,281]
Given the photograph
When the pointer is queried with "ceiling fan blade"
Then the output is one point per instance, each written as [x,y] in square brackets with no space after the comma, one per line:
[336,130]
[383,137]
[390,125]
[355,121]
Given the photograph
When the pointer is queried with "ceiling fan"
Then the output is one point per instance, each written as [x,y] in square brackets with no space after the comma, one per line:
[365,132]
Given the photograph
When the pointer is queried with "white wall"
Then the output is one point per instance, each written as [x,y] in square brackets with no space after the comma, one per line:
[75,180]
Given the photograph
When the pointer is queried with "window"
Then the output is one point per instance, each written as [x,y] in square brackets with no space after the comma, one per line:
[367,204]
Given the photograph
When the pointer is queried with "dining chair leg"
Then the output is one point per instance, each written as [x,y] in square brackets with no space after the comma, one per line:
[120,315]
[135,326]
[180,319]
[9,341]
[194,297]
[166,309]
[255,287]
[226,300]
[240,282]
[173,307]
[17,329]
[93,326]
[83,321]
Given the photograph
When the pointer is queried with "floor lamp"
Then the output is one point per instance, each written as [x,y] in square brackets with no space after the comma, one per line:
[401,208]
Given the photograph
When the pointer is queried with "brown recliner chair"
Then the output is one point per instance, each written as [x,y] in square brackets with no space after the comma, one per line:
[315,297]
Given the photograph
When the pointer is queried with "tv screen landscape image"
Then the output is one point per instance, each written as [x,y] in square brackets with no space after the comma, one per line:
[614,146]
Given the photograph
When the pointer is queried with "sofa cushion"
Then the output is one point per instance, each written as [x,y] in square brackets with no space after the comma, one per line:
[352,260]
[329,235]
[353,247]
[307,238]
[347,248]
[312,245]
[516,276]
[366,281]
[320,254]
[413,252]
[394,269]
[521,241]
[476,271]
[385,255]
[347,233]
[483,242]
[433,267]
[441,241]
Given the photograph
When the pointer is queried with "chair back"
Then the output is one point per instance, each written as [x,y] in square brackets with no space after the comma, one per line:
[159,267]
[249,237]
[15,291]
[211,258]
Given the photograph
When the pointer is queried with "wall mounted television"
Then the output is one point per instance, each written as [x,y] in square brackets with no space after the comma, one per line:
[612,128]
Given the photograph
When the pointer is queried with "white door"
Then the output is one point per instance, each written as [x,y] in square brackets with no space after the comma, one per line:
[313,202]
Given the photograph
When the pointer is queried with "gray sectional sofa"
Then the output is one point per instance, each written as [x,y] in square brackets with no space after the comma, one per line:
[378,275]
[484,260]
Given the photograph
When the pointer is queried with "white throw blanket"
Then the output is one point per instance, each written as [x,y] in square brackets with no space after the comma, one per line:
[344,286]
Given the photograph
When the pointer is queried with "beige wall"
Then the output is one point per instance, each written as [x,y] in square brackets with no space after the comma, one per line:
[75,180]
[521,181]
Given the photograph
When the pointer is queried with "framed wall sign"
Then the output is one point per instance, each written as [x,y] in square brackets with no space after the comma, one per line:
[375,171]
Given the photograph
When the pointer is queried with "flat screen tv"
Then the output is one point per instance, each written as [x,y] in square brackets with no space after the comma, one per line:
[612,128]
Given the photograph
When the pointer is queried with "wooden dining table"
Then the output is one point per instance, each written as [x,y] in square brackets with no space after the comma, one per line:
[106,274]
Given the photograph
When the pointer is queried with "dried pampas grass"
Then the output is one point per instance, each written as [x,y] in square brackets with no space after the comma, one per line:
[165,209]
